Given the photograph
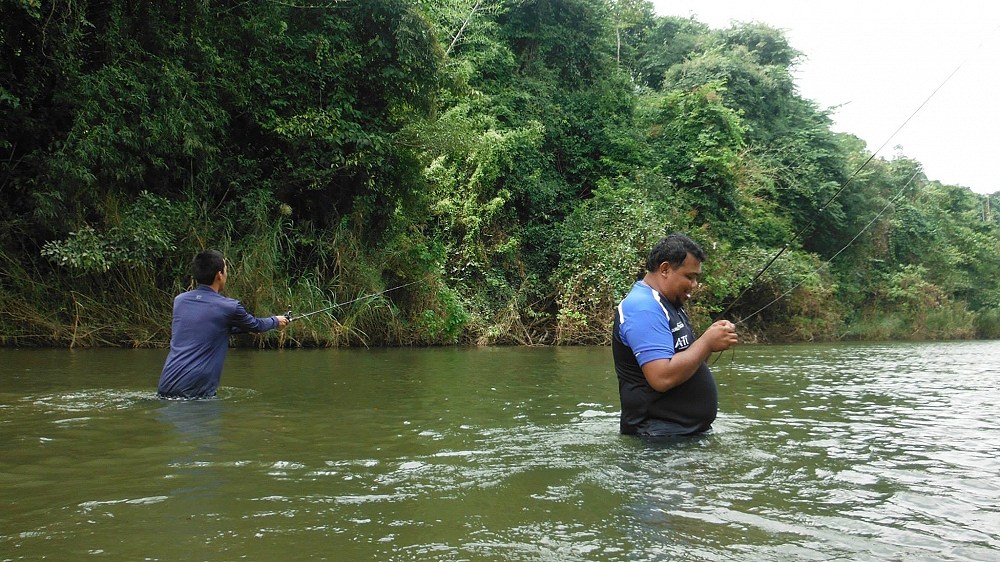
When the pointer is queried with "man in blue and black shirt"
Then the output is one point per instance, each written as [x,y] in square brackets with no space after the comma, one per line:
[664,382]
[202,323]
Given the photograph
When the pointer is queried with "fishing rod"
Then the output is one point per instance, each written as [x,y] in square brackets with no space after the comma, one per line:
[893,199]
[823,207]
[888,204]
[289,316]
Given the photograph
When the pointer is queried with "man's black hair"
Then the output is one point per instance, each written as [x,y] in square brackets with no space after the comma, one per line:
[206,264]
[673,249]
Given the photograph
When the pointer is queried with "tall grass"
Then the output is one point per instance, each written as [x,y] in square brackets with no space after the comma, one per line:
[388,293]
[988,324]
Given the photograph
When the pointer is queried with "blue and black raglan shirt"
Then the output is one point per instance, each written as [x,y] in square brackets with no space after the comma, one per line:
[648,327]
[203,321]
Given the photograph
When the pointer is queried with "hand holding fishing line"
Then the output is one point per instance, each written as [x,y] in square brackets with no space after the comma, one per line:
[721,335]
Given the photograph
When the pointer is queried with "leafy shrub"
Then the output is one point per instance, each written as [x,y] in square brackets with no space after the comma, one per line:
[147,230]
[604,245]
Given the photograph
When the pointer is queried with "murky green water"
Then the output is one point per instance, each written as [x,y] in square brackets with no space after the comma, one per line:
[834,452]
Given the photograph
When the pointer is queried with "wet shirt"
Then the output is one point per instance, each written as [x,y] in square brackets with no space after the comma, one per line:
[202,323]
[648,327]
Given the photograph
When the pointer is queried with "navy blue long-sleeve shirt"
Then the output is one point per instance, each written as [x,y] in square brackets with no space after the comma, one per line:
[202,323]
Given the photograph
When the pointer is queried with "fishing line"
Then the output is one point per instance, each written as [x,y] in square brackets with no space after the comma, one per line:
[345,303]
[892,200]
[823,207]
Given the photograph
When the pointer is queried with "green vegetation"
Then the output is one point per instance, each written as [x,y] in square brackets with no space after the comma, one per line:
[508,161]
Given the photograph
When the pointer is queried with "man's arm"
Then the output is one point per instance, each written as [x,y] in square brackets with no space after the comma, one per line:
[243,322]
[664,374]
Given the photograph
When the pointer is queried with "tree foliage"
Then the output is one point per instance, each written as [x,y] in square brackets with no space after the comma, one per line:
[500,166]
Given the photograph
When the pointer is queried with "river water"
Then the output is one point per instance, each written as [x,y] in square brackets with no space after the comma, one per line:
[821,452]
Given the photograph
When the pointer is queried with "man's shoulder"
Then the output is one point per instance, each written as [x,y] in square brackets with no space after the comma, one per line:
[641,307]
[204,294]
[641,297]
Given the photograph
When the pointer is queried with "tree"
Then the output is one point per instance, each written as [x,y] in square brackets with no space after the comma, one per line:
[694,140]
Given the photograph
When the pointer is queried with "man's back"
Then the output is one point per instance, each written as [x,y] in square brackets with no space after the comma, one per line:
[199,341]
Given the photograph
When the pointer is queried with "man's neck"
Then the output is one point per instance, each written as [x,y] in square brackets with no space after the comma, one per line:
[213,286]
[652,279]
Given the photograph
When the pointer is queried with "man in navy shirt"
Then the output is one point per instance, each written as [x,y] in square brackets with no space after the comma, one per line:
[202,323]
[664,382]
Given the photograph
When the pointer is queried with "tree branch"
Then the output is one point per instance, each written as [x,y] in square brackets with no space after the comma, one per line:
[462,29]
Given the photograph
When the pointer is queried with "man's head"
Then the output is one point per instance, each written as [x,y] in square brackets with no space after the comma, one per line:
[673,249]
[207,265]
[674,267]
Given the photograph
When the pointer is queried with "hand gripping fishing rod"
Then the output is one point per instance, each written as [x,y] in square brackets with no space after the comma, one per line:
[289,316]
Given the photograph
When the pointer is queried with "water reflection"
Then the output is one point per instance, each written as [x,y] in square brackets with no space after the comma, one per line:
[838,452]
[865,448]
[197,423]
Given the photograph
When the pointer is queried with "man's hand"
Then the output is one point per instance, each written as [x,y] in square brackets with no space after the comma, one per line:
[721,335]
[664,374]
[282,321]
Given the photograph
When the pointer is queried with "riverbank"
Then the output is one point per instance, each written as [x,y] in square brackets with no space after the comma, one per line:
[332,333]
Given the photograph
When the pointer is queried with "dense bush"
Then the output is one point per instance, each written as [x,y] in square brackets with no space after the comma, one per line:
[455,171]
